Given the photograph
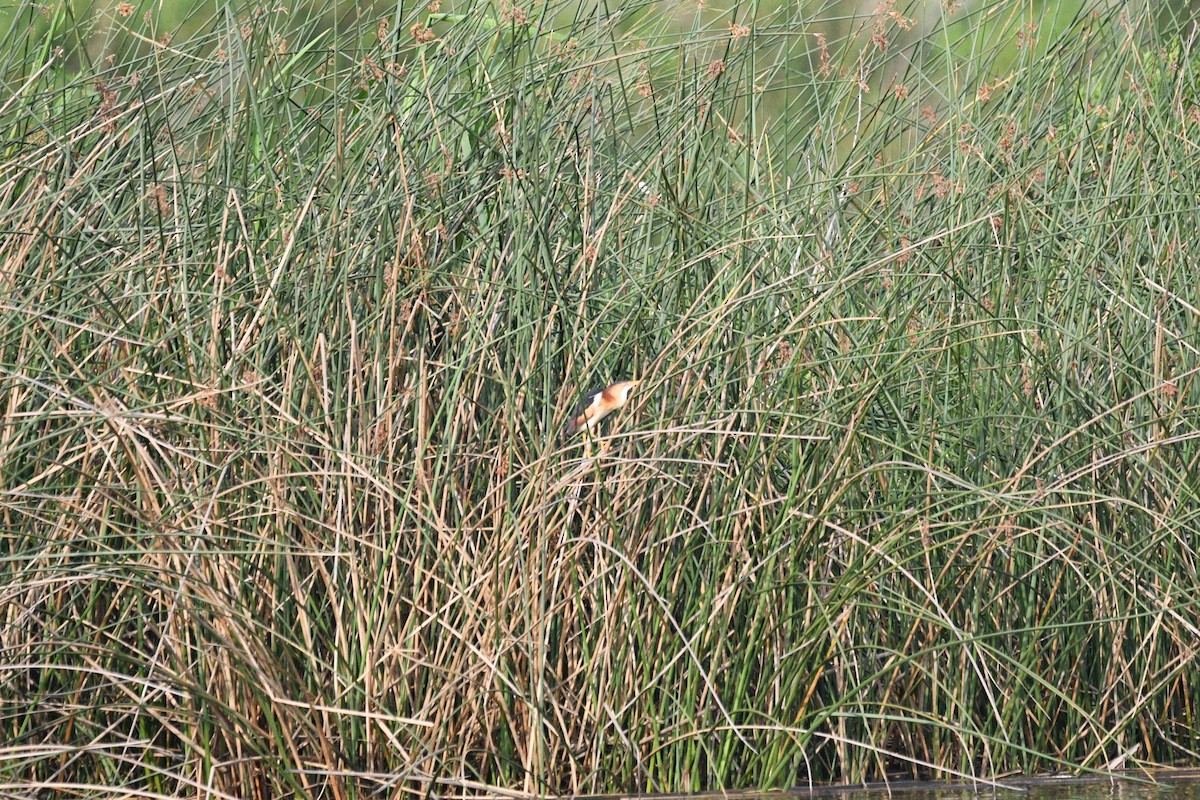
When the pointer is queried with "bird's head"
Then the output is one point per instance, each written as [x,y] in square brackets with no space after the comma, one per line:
[624,389]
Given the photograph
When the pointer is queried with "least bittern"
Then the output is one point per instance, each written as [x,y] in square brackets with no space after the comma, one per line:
[598,404]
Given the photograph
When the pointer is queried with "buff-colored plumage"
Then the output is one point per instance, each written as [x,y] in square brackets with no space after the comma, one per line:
[598,404]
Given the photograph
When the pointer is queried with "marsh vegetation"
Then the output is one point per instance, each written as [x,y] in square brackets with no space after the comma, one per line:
[291,316]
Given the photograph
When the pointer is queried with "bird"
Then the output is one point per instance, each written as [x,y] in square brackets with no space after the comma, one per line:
[598,404]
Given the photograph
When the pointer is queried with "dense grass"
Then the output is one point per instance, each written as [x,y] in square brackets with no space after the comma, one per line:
[290,319]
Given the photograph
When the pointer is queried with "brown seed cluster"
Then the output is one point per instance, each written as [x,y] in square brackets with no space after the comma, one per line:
[824,63]
[643,85]
[422,34]
[782,355]
[108,105]
[162,200]
[886,13]
[513,14]
[1026,35]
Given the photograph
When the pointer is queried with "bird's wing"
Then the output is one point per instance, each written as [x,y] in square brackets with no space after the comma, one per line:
[577,420]
[592,396]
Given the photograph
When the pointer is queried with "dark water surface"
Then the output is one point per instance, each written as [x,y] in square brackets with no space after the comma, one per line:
[1184,786]
[1161,786]
[1174,785]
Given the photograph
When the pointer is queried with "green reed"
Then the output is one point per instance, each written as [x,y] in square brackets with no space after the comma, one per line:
[293,308]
